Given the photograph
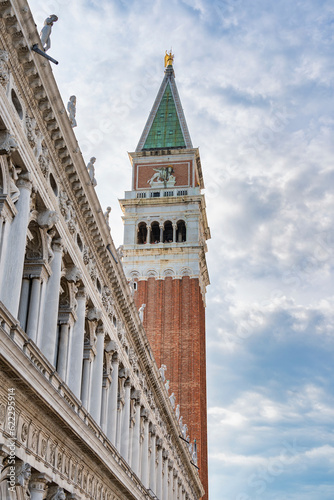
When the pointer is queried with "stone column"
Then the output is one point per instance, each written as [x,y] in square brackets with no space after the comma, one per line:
[48,338]
[170,480]
[126,422]
[165,477]
[179,484]
[144,457]
[112,407]
[86,375]
[161,233]
[44,285]
[148,233]
[153,479]
[97,374]
[175,486]
[24,303]
[136,441]
[174,232]
[159,470]
[104,403]
[38,485]
[34,304]
[122,376]
[7,212]
[77,346]
[13,258]
[63,350]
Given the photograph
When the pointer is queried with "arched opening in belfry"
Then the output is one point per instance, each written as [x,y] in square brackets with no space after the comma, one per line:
[168,232]
[141,233]
[155,232]
[181,232]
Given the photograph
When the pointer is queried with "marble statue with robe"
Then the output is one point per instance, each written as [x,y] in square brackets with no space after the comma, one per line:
[46,31]
[91,170]
[71,108]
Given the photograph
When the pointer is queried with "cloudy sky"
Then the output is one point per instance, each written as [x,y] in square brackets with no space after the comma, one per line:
[256,82]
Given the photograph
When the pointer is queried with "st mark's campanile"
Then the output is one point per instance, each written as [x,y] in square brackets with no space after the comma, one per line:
[165,233]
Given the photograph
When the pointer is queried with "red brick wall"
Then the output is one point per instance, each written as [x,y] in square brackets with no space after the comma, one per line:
[174,320]
[183,173]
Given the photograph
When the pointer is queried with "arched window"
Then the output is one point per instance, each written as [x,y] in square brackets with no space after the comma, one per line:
[53,185]
[141,233]
[181,232]
[17,104]
[168,232]
[155,232]
[79,241]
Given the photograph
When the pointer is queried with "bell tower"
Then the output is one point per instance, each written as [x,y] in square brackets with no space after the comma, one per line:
[165,233]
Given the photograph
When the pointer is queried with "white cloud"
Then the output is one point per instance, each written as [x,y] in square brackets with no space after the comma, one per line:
[255,80]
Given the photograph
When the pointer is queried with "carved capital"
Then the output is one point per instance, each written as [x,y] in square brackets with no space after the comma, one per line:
[47,219]
[112,346]
[100,330]
[4,450]
[144,413]
[127,382]
[8,144]
[57,245]
[94,314]
[55,492]
[136,395]
[152,429]
[81,293]
[73,274]
[159,443]
[124,373]
[24,181]
[38,482]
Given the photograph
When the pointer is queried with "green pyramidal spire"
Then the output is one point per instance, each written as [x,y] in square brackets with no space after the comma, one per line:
[165,131]
[166,127]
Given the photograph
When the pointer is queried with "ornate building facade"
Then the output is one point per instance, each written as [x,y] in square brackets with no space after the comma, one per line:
[164,250]
[84,411]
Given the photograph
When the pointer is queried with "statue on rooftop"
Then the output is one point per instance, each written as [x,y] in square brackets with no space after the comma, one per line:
[184,429]
[91,170]
[71,108]
[106,215]
[177,412]
[141,312]
[167,386]
[46,31]
[172,400]
[162,370]
[169,57]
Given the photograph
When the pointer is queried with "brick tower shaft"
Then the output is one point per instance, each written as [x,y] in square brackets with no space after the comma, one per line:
[165,233]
